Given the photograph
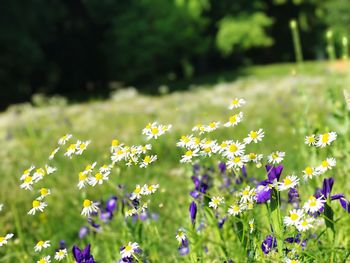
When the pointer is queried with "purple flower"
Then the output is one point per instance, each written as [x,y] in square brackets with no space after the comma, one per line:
[222,167]
[83,232]
[293,197]
[83,256]
[268,244]
[263,191]
[184,248]
[326,190]
[193,211]
[106,215]
[111,204]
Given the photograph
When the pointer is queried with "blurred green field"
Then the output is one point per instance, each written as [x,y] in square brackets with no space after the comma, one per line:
[286,100]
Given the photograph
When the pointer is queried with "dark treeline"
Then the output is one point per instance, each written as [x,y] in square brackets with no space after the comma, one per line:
[80,46]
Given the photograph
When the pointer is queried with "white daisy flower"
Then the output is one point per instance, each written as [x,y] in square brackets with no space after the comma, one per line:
[289,182]
[46,259]
[288,260]
[64,139]
[234,120]
[84,179]
[294,217]
[153,130]
[216,201]
[136,194]
[236,162]
[236,103]
[105,169]
[254,136]
[314,204]
[305,224]
[253,157]
[70,150]
[181,235]
[43,193]
[90,167]
[310,172]
[234,149]
[61,254]
[235,210]
[114,145]
[89,207]
[187,157]
[37,206]
[27,183]
[251,225]
[81,147]
[276,157]
[39,174]
[149,189]
[130,212]
[27,172]
[326,139]
[5,239]
[42,245]
[310,140]
[185,141]
[53,153]
[212,126]
[99,178]
[129,250]
[143,149]
[49,169]
[148,159]
[326,165]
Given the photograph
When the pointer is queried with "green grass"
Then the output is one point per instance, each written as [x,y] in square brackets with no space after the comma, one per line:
[286,101]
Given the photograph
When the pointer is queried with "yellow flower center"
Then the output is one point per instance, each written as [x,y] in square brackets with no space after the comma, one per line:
[308,170]
[82,176]
[154,130]
[216,201]
[235,101]
[253,135]
[115,143]
[42,260]
[294,216]
[147,159]
[28,179]
[325,138]
[137,190]
[236,208]
[287,181]
[40,243]
[325,163]
[189,153]
[98,176]
[245,192]
[82,146]
[185,139]
[44,191]
[36,204]
[237,159]
[71,147]
[252,156]
[233,148]
[304,223]
[311,139]
[274,155]
[128,248]
[87,203]
[212,125]
[233,118]
[2,239]
[207,150]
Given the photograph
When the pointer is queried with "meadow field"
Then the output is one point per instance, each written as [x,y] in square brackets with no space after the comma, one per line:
[287,101]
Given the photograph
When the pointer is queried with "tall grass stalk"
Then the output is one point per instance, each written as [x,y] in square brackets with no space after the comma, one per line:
[296,41]
[330,45]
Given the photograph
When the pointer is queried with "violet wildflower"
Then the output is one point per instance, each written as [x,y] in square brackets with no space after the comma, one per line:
[193,211]
[263,191]
[268,244]
[83,256]
[293,197]
[184,248]
[83,232]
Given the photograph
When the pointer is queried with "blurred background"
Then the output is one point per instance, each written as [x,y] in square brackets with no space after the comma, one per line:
[86,48]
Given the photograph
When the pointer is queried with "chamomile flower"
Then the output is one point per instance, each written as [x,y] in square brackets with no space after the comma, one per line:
[314,204]
[251,225]
[84,179]
[53,153]
[61,254]
[276,157]
[37,206]
[90,167]
[136,194]
[153,130]
[289,182]
[70,150]
[235,210]
[310,140]
[294,217]
[144,148]
[236,162]
[326,139]
[181,235]
[216,201]
[50,169]
[114,145]
[234,120]
[149,189]
[236,103]
[27,183]
[27,172]
[254,157]
[148,159]
[98,178]
[105,169]
[212,126]
[288,260]
[129,250]
[43,193]
[187,157]
[185,141]
[130,212]
[310,172]
[39,174]
[234,149]
[89,207]
[247,194]
[305,224]
[254,136]
[81,147]
[42,245]
[64,139]
[326,165]
[5,239]
[46,259]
